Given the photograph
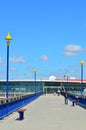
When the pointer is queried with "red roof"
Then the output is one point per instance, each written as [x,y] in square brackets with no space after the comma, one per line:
[70,80]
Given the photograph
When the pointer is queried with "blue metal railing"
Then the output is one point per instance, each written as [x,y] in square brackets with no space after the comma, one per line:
[80,100]
[9,107]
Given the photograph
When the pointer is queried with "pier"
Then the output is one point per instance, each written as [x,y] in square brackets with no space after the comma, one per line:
[48,112]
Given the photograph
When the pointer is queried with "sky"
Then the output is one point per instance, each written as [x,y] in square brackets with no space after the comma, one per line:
[48,35]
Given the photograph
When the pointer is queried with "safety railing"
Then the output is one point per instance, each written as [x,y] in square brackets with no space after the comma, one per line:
[8,106]
[79,99]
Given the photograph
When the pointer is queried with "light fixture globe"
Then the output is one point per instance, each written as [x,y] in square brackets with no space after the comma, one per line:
[34,70]
[81,62]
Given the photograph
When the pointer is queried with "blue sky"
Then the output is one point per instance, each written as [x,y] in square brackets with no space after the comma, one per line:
[49,35]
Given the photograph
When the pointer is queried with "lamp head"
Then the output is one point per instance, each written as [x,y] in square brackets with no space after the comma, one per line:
[8,37]
[34,70]
[81,62]
[65,75]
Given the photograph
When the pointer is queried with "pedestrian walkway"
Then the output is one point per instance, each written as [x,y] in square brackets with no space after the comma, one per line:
[48,112]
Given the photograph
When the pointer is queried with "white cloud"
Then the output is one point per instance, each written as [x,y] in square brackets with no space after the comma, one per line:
[30,68]
[67,53]
[13,69]
[72,77]
[72,50]
[44,58]
[1,62]
[17,59]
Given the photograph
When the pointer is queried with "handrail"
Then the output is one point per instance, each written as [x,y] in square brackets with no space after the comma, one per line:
[80,99]
[8,106]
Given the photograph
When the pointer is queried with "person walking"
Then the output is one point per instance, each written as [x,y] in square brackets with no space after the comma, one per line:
[66,97]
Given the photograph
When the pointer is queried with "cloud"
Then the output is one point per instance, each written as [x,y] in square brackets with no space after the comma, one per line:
[13,69]
[72,50]
[1,62]
[44,58]
[72,77]
[30,68]
[17,59]
[67,53]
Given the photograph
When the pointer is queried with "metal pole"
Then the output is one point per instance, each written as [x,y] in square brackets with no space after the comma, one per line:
[35,81]
[67,76]
[8,38]
[81,86]
[40,84]
[7,77]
